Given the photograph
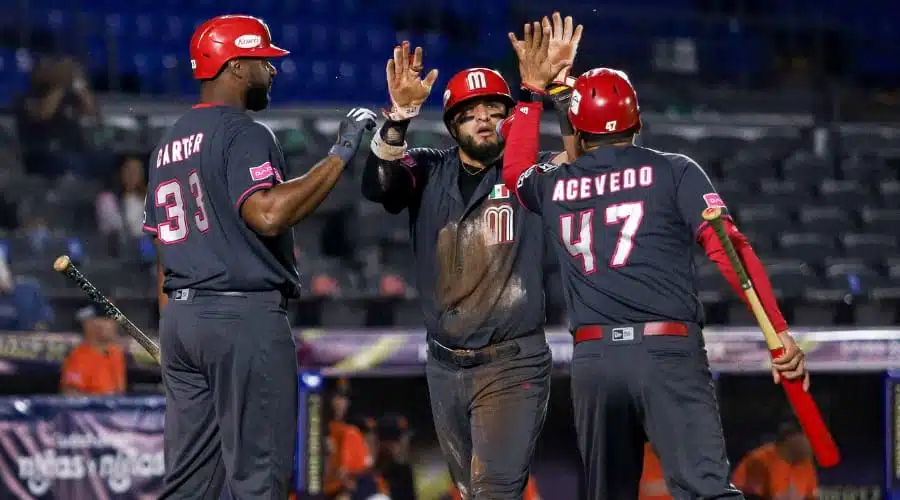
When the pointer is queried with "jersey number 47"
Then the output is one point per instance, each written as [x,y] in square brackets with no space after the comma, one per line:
[580,243]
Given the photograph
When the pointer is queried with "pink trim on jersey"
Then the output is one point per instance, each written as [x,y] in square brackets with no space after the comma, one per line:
[206,105]
[150,229]
[250,190]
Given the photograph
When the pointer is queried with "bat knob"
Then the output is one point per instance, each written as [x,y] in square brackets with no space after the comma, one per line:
[711,214]
[62,263]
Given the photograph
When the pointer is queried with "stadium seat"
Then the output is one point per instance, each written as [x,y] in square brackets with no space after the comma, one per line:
[763,243]
[734,193]
[889,193]
[763,219]
[855,278]
[747,167]
[791,277]
[809,247]
[825,219]
[845,193]
[881,220]
[805,168]
[786,193]
[863,168]
[872,247]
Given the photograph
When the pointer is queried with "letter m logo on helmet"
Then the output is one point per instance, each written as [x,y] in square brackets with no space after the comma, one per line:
[473,83]
[604,102]
[224,38]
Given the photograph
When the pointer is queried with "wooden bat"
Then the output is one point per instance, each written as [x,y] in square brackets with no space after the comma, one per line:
[805,407]
[65,266]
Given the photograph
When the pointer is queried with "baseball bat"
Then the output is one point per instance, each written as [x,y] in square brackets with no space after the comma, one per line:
[804,406]
[67,268]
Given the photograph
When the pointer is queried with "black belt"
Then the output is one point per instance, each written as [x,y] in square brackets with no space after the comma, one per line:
[186,294]
[469,358]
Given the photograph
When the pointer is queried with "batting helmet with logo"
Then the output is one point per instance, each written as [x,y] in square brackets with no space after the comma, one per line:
[475,82]
[603,102]
[224,38]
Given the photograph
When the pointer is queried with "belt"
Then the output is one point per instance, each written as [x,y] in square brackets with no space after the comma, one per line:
[596,332]
[186,294]
[469,358]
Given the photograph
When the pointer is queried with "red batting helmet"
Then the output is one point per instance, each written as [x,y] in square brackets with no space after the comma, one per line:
[224,38]
[475,82]
[603,102]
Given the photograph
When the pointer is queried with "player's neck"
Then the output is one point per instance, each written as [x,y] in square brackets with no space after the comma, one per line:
[216,95]
[469,163]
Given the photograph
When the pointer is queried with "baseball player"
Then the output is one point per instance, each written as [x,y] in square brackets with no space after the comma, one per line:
[221,212]
[624,221]
[478,262]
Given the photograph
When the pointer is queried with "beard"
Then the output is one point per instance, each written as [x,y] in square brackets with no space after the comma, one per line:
[486,152]
[256,97]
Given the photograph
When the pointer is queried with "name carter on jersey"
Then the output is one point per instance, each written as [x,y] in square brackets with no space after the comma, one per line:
[582,188]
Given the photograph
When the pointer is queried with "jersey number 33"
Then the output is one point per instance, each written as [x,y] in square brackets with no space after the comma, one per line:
[170,195]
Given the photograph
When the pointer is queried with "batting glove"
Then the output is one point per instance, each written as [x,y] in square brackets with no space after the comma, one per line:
[350,132]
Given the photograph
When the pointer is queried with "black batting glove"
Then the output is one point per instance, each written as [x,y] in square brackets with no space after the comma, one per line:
[350,133]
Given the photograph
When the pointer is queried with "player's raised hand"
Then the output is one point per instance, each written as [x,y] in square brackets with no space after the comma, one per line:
[350,132]
[535,66]
[564,42]
[406,86]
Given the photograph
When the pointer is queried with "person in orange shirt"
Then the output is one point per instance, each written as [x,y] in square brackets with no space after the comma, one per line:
[531,491]
[349,462]
[653,481]
[97,365]
[780,470]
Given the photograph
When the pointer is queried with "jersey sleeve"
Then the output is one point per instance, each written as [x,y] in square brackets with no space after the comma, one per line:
[694,193]
[533,184]
[253,161]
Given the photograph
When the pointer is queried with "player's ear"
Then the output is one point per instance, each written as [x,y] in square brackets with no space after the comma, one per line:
[236,68]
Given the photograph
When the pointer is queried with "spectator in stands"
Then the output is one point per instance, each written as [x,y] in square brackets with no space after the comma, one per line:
[22,305]
[97,365]
[348,463]
[782,469]
[392,464]
[49,118]
[120,209]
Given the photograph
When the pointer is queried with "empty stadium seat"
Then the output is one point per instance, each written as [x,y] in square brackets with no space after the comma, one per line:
[872,247]
[763,219]
[863,168]
[889,193]
[791,277]
[785,193]
[804,167]
[825,219]
[881,220]
[844,193]
[853,277]
[809,247]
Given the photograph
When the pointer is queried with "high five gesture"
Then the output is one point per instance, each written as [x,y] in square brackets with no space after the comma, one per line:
[406,86]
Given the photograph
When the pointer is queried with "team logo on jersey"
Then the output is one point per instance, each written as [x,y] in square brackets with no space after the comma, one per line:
[499,223]
[500,192]
[546,168]
[713,200]
[524,175]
